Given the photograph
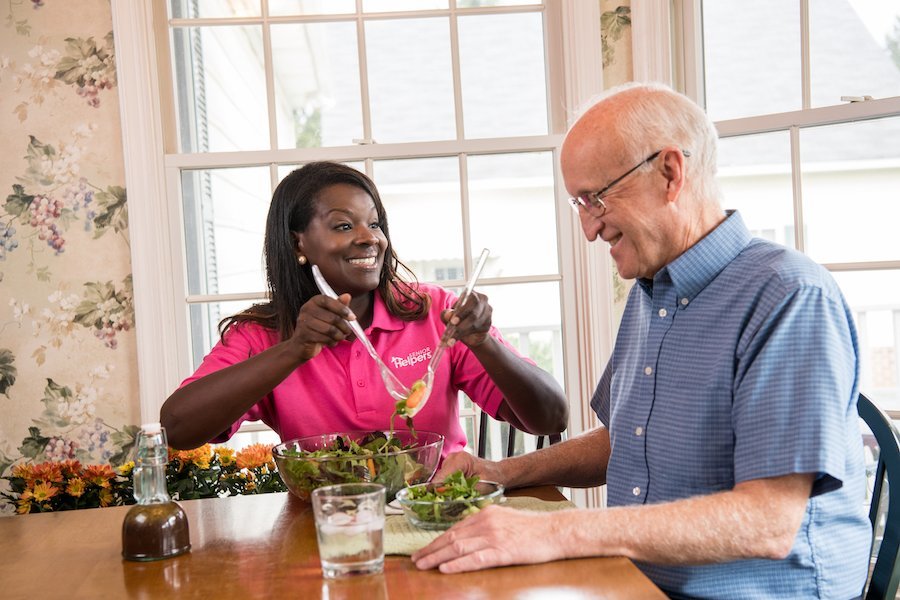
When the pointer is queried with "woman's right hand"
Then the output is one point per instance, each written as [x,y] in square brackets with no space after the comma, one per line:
[322,321]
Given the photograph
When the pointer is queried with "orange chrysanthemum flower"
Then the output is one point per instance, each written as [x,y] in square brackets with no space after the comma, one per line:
[254,456]
[99,475]
[198,456]
[23,507]
[76,487]
[24,470]
[42,492]
[48,472]
[225,454]
[106,497]
[70,468]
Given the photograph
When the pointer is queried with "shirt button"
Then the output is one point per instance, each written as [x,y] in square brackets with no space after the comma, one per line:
[638,430]
[361,383]
[663,313]
[636,491]
[684,301]
[648,370]
[358,353]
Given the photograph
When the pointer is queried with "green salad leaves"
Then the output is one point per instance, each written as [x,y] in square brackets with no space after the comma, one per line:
[456,497]
[349,461]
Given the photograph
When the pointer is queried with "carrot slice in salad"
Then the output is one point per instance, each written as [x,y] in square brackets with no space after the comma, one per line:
[415,396]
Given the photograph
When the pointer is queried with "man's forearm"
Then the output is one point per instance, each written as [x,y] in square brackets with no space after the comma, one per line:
[758,519]
[578,462]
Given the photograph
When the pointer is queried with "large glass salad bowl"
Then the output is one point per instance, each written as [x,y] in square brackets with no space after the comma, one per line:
[358,456]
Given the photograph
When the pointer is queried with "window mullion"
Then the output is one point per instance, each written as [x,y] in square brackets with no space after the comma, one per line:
[805,72]
[457,77]
[825,115]
[363,78]
[797,189]
[269,70]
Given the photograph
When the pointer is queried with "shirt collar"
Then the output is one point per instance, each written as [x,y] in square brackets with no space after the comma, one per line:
[702,262]
[381,318]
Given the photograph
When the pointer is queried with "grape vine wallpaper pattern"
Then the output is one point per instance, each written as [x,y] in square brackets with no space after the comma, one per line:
[68,363]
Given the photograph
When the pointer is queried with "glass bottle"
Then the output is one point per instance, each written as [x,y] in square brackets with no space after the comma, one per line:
[156,527]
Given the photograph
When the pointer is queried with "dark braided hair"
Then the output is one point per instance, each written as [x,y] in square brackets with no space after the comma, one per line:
[290,284]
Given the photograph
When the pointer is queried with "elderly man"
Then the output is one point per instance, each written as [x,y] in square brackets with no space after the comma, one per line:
[730,444]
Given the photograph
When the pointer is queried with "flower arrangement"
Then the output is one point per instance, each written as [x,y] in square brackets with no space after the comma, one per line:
[204,472]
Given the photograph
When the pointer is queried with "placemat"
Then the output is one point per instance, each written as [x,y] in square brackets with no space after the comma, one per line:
[402,537]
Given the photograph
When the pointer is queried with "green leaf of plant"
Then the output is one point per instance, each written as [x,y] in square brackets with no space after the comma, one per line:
[112,210]
[34,444]
[7,372]
[18,203]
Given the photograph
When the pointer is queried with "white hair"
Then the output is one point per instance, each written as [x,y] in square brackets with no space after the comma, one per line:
[654,116]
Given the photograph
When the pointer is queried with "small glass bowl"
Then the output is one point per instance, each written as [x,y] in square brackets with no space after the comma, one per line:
[442,514]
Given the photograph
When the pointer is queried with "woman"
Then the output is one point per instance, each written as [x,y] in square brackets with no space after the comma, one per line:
[293,362]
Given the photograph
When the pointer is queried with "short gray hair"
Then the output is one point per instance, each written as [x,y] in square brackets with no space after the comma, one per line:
[658,117]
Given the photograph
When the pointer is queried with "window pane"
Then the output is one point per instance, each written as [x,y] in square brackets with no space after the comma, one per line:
[479,3]
[285,170]
[204,319]
[502,71]
[225,217]
[851,188]
[752,57]
[410,80]
[317,98]
[875,299]
[512,212]
[397,5]
[422,199]
[755,178]
[849,54]
[279,8]
[533,327]
[221,88]
[202,9]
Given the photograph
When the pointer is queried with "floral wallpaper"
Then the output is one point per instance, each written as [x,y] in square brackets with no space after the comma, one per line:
[68,359]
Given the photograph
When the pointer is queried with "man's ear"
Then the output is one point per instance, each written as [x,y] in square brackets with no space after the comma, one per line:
[672,164]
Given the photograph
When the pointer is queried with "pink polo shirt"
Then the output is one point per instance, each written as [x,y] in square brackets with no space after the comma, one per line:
[341,389]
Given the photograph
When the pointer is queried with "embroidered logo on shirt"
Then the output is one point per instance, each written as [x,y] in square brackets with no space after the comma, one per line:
[412,358]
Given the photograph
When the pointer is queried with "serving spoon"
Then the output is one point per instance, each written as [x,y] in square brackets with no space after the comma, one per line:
[393,385]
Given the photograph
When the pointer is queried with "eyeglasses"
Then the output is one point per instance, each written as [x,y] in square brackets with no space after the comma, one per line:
[595,199]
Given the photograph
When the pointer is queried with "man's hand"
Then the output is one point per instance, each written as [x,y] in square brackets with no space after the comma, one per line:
[494,537]
[470,465]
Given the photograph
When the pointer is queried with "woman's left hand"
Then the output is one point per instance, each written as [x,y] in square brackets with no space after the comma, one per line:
[472,320]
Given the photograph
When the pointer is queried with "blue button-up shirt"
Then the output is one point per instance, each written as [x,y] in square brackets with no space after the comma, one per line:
[739,361]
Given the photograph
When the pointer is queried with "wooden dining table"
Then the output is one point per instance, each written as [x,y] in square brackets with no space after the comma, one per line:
[264,546]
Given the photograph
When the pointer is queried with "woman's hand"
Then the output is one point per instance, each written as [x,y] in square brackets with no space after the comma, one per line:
[472,320]
[322,321]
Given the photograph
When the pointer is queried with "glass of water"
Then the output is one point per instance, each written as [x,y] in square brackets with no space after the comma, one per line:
[350,528]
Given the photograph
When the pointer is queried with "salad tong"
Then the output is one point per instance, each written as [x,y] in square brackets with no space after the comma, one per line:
[428,380]
[393,385]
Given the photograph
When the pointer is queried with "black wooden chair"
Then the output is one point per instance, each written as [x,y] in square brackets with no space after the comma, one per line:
[885,575]
[511,438]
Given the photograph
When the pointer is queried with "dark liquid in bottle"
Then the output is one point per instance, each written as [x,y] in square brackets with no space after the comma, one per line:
[155,531]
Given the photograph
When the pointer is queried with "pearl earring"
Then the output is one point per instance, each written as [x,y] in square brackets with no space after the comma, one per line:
[301,259]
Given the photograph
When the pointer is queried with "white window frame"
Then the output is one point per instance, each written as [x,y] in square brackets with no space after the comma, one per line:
[160,291]
[667,45]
